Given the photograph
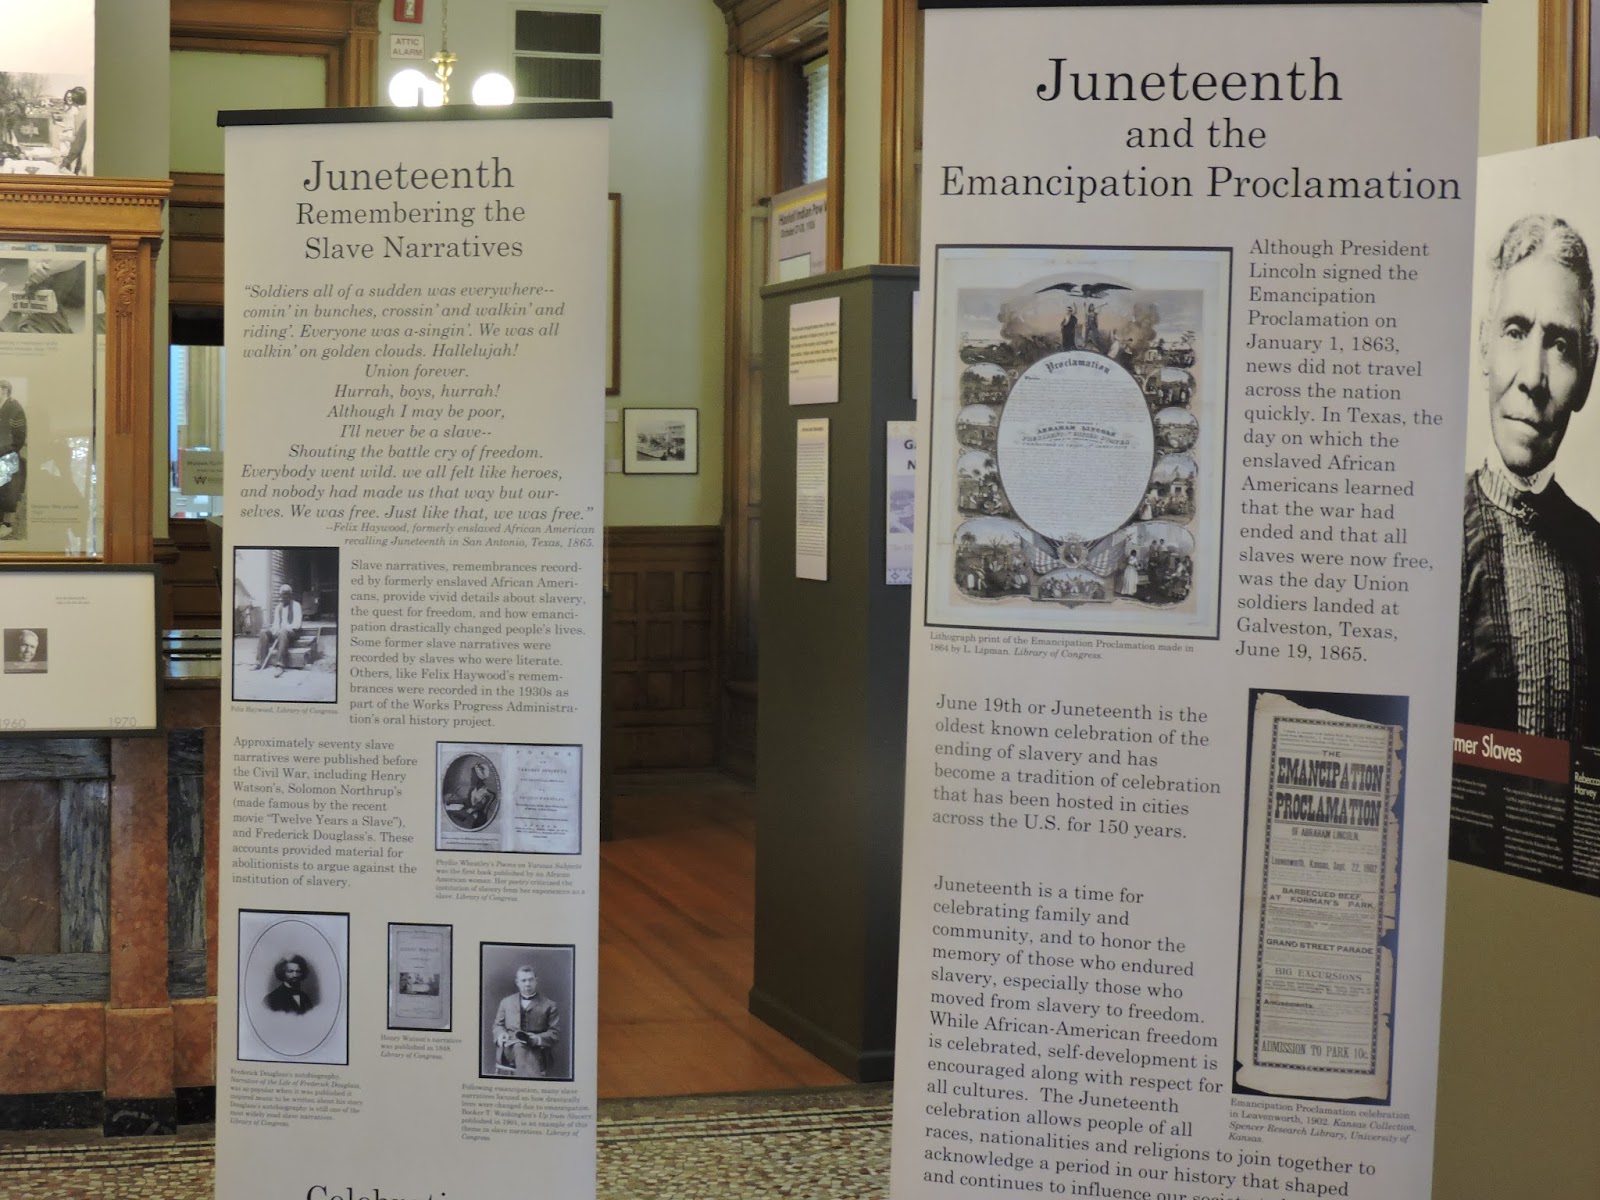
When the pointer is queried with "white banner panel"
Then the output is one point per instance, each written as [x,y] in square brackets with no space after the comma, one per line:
[411,706]
[1188,531]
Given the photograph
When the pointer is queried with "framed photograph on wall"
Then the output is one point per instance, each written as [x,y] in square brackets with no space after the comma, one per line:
[660,441]
[614,298]
[78,653]
[1568,71]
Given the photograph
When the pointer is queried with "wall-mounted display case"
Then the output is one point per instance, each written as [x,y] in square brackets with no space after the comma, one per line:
[77,305]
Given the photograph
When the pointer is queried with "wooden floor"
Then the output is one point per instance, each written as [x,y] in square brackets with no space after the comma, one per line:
[677,894]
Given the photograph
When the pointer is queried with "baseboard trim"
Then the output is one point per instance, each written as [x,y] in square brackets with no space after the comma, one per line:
[34,1111]
[197,1105]
[858,1063]
[51,1110]
[141,1117]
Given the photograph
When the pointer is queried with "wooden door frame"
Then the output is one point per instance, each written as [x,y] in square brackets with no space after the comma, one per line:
[343,33]
[761,35]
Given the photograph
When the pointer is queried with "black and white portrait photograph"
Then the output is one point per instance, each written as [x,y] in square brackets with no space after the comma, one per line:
[286,624]
[660,441]
[294,992]
[13,458]
[509,798]
[44,293]
[419,976]
[27,650]
[1528,668]
[44,124]
[525,1010]
[1079,405]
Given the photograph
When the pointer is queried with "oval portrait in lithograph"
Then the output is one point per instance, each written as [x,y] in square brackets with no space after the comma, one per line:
[292,987]
[469,792]
[1076,445]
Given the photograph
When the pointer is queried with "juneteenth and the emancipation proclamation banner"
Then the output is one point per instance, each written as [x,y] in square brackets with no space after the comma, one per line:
[1178,762]
[411,700]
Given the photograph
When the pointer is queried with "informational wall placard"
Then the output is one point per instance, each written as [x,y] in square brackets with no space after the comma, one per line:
[814,351]
[46,87]
[900,497]
[411,702]
[811,488]
[1177,771]
[1526,796]
[797,246]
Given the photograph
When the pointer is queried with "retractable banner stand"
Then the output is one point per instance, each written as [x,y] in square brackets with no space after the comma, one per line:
[1527,742]
[408,924]
[1178,767]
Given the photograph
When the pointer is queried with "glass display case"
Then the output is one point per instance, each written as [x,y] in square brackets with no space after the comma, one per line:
[77,301]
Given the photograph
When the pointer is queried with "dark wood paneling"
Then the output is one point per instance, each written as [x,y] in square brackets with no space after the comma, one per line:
[194,265]
[189,576]
[662,645]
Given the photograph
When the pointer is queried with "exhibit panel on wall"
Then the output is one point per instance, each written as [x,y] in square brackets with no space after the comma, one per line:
[46,86]
[1178,767]
[1526,794]
[411,699]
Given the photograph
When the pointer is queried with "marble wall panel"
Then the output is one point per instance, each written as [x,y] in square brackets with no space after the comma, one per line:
[139,1046]
[85,866]
[56,759]
[194,1036]
[213,838]
[52,1048]
[186,912]
[139,874]
[30,870]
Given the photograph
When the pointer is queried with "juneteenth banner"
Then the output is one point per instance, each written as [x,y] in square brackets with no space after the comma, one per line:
[411,700]
[1178,763]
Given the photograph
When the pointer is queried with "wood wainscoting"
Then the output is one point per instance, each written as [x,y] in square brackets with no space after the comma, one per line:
[662,648]
[663,644]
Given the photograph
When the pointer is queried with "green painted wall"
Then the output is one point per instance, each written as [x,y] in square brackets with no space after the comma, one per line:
[204,83]
[664,70]
[863,129]
[130,116]
[1508,99]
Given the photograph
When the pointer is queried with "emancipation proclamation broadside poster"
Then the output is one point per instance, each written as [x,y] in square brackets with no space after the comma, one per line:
[411,693]
[1188,517]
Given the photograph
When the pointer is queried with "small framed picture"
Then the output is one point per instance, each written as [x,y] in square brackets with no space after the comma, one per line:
[409,11]
[78,654]
[661,441]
